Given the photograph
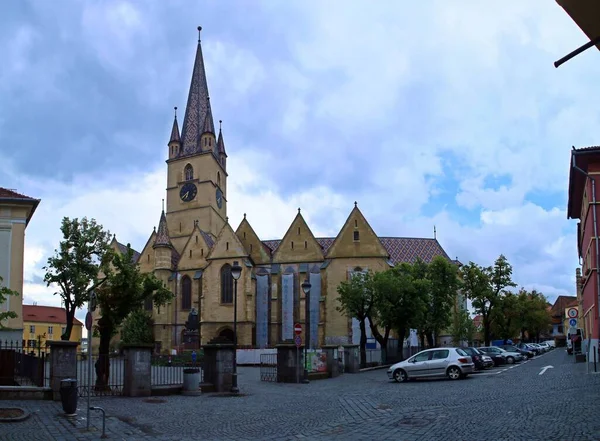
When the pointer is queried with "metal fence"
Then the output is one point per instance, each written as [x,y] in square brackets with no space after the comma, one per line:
[112,386]
[167,370]
[268,367]
[23,365]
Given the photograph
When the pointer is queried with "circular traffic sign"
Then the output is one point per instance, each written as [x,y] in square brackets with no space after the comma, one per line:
[572,312]
[298,341]
[572,322]
[298,328]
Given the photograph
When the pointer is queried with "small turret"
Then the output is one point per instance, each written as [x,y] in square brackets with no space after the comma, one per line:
[175,140]
[163,249]
[221,155]
[208,140]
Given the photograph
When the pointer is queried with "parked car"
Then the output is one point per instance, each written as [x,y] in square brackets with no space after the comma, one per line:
[543,349]
[527,353]
[497,358]
[453,363]
[480,360]
[528,346]
[546,346]
[510,357]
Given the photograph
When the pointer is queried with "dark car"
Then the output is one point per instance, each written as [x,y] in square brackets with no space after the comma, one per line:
[498,359]
[523,351]
[525,346]
[477,357]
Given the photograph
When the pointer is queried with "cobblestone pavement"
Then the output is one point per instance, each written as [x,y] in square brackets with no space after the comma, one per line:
[516,403]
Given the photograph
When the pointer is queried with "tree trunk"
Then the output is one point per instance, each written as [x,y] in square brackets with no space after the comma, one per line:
[430,341]
[103,362]
[381,339]
[363,343]
[422,338]
[70,313]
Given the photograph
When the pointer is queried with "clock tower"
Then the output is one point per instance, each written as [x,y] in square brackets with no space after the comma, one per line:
[196,168]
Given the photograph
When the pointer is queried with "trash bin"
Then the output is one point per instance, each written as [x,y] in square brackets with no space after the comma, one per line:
[68,395]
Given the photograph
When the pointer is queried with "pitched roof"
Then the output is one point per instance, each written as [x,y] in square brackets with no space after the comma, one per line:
[11,196]
[561,303]
[175,137]
[123,249]
[46,314]
[400,249]
[581,158]
[162,235]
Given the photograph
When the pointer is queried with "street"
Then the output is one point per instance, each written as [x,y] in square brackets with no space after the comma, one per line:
[526,401]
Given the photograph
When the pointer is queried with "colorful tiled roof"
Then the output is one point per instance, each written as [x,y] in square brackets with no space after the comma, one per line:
[197,107]
[400,249]
[162,234]
[46,314]
[207,238]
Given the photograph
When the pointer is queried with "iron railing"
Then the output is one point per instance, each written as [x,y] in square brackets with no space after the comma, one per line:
[268,367]
[23,365]
[167,370]
[86,384]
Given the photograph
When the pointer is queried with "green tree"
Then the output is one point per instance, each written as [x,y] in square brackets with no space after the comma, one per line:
[356,301]
[463,327]
[485,286]
[505,317]
[138,327]
[443,287]
[82,255]
[533,315]
[125,290]
[4,293]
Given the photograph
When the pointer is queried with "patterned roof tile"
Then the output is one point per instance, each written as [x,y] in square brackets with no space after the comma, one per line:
[400,249]
[162,234]
[123,249]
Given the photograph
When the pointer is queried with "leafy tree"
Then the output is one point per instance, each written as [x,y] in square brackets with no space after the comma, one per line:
[406,304]
[138,328]
[125,290]
[443,285]
[505,317]
[356,300]
[82,255]
[533,316]
[4,293]
[463,327]
[485,286]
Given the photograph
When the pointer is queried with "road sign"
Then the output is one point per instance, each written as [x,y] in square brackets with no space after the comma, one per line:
[298,328]
[298,341]
[88,321]
[572,313]
[572,322]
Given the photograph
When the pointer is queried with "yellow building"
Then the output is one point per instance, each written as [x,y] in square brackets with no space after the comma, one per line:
[194,247]
[15,212]
[45,323]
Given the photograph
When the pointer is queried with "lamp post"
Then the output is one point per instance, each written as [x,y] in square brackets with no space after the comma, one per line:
[306,289]
[236,272]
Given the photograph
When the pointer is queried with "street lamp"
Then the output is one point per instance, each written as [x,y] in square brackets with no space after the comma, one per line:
[236,272]
[306,289]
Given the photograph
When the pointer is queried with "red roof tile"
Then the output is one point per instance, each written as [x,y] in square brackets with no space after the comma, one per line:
[5,193]
[46,314]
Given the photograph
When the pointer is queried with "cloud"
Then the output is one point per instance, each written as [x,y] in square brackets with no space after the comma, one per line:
[426,114]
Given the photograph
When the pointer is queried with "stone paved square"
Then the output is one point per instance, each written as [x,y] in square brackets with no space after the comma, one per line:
[515,404]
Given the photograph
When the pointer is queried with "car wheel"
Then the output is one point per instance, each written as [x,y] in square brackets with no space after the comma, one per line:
[454,373]
[400,376]
[510,360]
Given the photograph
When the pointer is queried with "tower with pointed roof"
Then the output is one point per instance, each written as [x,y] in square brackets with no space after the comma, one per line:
[196,168]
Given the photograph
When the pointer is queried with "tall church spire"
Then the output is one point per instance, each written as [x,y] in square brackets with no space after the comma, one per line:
[162,235]
[198,106]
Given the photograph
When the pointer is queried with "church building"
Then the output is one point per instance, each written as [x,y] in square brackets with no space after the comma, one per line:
[194,248]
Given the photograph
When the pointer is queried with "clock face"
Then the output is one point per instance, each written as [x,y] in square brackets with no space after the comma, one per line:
[219,198]
[188,192]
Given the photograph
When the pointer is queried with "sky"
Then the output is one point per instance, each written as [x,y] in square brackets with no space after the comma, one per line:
[437,113]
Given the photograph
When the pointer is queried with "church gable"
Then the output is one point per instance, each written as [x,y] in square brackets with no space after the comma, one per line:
[298,244]
[356,239]
[146,258]
[227,245]
[259,253]
[195,251]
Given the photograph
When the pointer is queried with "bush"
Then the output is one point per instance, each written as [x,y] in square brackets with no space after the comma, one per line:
[138,328]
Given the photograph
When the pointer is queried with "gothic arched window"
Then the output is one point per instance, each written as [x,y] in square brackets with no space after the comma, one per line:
[226,284]
[188,172]
[186,293]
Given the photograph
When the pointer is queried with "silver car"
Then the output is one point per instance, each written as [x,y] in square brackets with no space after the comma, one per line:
[453,363]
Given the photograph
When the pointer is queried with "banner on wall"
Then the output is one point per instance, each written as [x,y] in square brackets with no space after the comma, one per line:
[287,306]
[262,311]
[315,298]
[316,361]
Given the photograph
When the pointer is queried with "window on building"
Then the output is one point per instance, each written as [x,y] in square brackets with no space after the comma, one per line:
[226,284]
[188,172]
[292,245]
[219,179]
[62,330]
[32,329]
[186,293]
[31,343]
[356,236]
[50,330]
[148,304]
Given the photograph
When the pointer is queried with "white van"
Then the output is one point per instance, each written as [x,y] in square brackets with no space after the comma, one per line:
[576,340]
